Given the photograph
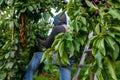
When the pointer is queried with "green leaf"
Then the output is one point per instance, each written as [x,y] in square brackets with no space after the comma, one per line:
[100,20]
[1,57]
[61,35]
[83,19]
[117,39]
[23,10]
[110,42]
[61,49]
[65,58]
[93,43]
[6,45]
[116,33]
[12,54]
[18,4]
[47,16]
[92,39]
[116,52]
[111,34]
[99,74]
[87,72]
[2,75]
[76,45]
[80,40]
[1,1]
[69,5]
[101,46]
[94,51]
[71,48]
[55,43]
[45,54]
[84,28]
[1,63]
[110,67]
[34,6]
[68,36]
[30,8]
[11,24]
[77,12]
[116,28]
[97,29]
[75,25]
[7,55]
[9,2]
[58,58]
[9,65]
[114,13]
[98,58]
[90,4]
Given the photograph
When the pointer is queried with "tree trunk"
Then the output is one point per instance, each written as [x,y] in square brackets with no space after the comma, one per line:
[22,33]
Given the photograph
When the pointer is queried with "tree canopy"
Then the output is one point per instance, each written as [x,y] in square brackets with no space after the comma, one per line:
[20,20]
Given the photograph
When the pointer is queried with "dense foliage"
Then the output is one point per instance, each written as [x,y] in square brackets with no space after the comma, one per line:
[20,20]
[103,19]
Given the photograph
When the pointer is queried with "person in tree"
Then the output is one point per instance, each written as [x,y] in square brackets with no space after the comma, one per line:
[60,26]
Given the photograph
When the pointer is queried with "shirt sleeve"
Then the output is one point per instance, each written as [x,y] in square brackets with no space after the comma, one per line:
[48,42]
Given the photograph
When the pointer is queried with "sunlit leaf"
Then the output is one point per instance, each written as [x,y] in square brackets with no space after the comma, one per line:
[59,36]
[30,8]
[83,19]
[97,29]
[45,54]
[66,59]
[12,54]
[57,45]
[71,48]
[7,55]
[90,4]
[55,42]
[61,49]
[114,13]
[68,36]
[77,12]
[9,2]
[9,65]
[101,46]
[87,72]
[6,45]
[99,74]
[11,24]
